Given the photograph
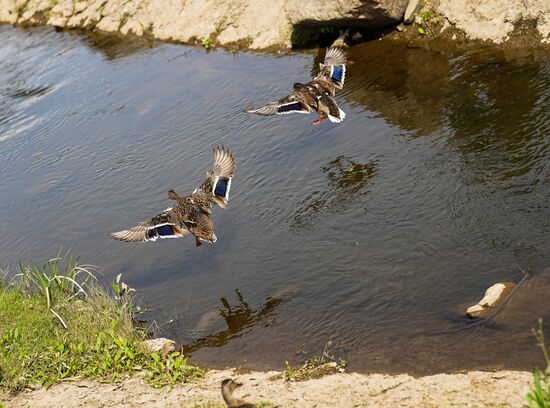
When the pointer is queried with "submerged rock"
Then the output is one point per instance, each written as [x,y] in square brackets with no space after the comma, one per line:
[493,296]
[159,345]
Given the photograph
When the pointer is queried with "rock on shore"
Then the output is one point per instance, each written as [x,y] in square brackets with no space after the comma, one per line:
[495,20]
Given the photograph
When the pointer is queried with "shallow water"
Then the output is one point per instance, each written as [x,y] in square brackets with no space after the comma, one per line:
[374,234]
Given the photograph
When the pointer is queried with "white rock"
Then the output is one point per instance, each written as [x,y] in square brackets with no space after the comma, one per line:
[474,310]
[80,7]
[493,296]
[57,21]
[159,345]
[132,27]
[8,11]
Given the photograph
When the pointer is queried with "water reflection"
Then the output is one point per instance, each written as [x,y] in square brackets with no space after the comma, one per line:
[530,300]
[347,179]
[18,92]
[114,46]
[407,87]
[240,319]
[484,115]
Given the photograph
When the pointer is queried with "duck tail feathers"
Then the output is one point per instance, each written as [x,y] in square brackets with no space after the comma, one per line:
[337,119]
[172,195]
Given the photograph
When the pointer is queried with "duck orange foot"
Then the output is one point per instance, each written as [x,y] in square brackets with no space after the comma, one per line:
[319,121]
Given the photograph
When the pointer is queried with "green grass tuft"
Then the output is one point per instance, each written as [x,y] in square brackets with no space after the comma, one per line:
[57,323]
[316,366]
[208,43]
[539,396]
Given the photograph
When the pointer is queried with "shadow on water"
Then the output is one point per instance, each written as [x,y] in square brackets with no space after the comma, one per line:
[406,87]
[240,319]
[114,46]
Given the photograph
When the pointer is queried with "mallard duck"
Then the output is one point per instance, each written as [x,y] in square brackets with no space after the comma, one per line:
[317,94]
[191,213]
[228,386]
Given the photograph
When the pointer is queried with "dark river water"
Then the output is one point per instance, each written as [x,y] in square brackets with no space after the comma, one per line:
[375,234]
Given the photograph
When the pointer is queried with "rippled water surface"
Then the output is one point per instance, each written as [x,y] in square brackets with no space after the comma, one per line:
[374,234]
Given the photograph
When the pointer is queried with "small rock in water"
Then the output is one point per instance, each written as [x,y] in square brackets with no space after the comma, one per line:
[357,37]
[493,296]
[159,345]
[341,40]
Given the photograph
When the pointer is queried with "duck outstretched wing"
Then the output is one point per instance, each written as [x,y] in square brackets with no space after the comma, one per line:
[218,183]
[284,106]
[333,68]
[164,225]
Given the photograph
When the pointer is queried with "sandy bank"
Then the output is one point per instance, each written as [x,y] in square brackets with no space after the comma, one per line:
[500,388]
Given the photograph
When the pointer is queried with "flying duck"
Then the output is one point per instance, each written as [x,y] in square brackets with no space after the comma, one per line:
[316,95]
[191,213]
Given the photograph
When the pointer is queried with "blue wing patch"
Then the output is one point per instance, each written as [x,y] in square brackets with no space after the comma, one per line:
[161,231]
[290,107]
[338,73]
[221,189]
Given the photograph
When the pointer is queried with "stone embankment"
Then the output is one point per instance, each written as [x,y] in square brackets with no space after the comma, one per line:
[277,24]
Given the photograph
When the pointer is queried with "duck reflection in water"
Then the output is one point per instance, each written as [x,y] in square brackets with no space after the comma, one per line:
[239,319]
[347,180]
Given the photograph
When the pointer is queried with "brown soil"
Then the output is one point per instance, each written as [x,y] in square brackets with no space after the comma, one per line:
[482,389]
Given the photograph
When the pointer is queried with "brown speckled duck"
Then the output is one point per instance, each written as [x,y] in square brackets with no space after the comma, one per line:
[317,94]
[228,386]
[191,213]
